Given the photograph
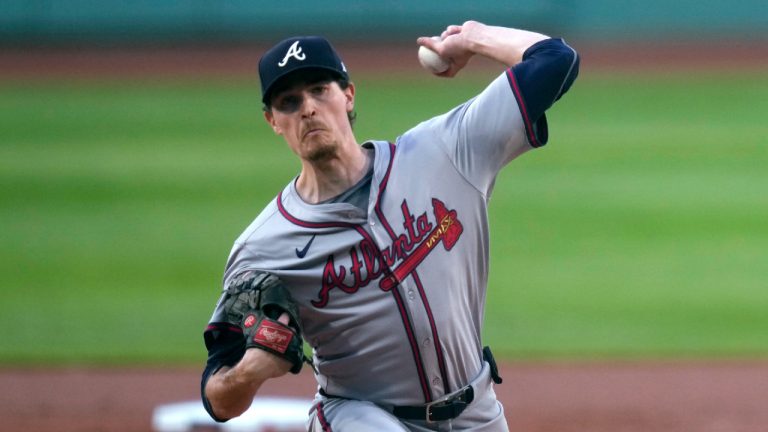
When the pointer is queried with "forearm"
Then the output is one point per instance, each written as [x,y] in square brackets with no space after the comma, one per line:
[505,45]
[230,391]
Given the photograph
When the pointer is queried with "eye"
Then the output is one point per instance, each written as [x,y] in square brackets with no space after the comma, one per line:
[288,103]
[319,89]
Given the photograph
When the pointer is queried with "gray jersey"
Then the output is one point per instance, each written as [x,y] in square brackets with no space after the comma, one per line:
[392,298]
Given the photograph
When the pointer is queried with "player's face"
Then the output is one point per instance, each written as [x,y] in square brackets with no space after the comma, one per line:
[312,117]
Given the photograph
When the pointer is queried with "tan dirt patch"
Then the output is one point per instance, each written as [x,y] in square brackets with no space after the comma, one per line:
[242,60]
[702,396]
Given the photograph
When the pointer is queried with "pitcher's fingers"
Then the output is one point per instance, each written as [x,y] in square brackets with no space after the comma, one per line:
[450,30]
[284,318]
[429,42]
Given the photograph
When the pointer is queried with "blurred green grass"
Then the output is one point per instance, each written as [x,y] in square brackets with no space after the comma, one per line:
[638,231]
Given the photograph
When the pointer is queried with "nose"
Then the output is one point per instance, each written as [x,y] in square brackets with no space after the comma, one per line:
[308,107]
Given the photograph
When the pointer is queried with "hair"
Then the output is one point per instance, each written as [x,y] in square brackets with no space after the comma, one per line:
[343,84]
[351,115]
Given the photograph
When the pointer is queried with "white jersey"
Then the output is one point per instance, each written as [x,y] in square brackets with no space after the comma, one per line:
[392,299]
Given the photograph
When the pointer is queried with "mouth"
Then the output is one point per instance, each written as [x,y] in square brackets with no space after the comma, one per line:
[312,130]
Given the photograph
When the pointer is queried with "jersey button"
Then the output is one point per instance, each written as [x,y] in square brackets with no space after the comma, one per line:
[435,381]
[411,295]
[426,342]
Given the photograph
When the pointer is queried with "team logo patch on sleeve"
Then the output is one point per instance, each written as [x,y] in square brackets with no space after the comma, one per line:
[273,336]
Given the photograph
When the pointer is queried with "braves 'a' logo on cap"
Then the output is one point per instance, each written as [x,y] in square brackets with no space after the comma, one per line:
[294,51]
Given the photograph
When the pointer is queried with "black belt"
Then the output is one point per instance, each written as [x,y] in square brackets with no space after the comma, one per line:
[439,410]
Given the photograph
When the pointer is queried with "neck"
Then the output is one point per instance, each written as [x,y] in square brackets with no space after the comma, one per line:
[324,179]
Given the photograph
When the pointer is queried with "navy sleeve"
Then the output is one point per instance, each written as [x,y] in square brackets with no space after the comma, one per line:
[547,71]
[226,346]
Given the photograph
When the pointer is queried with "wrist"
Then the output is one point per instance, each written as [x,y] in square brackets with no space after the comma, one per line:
[505,45]
[478,37]
[261,365]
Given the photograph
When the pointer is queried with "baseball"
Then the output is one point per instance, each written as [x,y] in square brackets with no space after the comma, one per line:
[431,61]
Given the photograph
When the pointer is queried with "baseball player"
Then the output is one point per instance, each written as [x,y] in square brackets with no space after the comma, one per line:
[377,253]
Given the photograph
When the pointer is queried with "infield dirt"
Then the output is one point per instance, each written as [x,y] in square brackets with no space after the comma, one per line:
[691,396]
[213,61]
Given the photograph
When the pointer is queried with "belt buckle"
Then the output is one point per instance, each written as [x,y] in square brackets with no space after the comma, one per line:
[428,409]
[445,400]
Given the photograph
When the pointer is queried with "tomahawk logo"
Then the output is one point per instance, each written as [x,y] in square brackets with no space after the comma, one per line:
[396,261]
[295,52]
[447,232]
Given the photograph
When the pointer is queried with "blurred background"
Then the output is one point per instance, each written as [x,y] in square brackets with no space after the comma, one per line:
[133,152]
[61,22]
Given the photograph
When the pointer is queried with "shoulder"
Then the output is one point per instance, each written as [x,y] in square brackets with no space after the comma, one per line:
[445,126]
[439,127]
[260,223]
[254,245]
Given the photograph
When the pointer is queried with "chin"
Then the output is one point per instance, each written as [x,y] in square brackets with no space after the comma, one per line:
[321,152]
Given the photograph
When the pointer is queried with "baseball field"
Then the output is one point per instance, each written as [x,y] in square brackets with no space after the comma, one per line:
[629,281]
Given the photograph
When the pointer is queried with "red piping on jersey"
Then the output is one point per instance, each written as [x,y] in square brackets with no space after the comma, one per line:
[404,316]
[408,329]
[403,271]
[435,336]
[398,298]
[385,180]
[223,326]
[306,224]
[414,345]
[321,417]
[521,102]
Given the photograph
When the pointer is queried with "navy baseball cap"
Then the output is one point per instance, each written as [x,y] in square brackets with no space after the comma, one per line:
[296,53]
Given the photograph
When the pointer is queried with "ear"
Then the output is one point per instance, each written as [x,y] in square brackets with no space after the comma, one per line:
[270,118]
[349,93]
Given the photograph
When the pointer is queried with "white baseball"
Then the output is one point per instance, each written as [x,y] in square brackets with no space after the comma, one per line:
[431,61]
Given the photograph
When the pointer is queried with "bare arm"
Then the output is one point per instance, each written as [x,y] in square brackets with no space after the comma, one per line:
[230,390]
[460,43]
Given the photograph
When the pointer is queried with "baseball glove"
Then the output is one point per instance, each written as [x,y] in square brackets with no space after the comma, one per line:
[254,301]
